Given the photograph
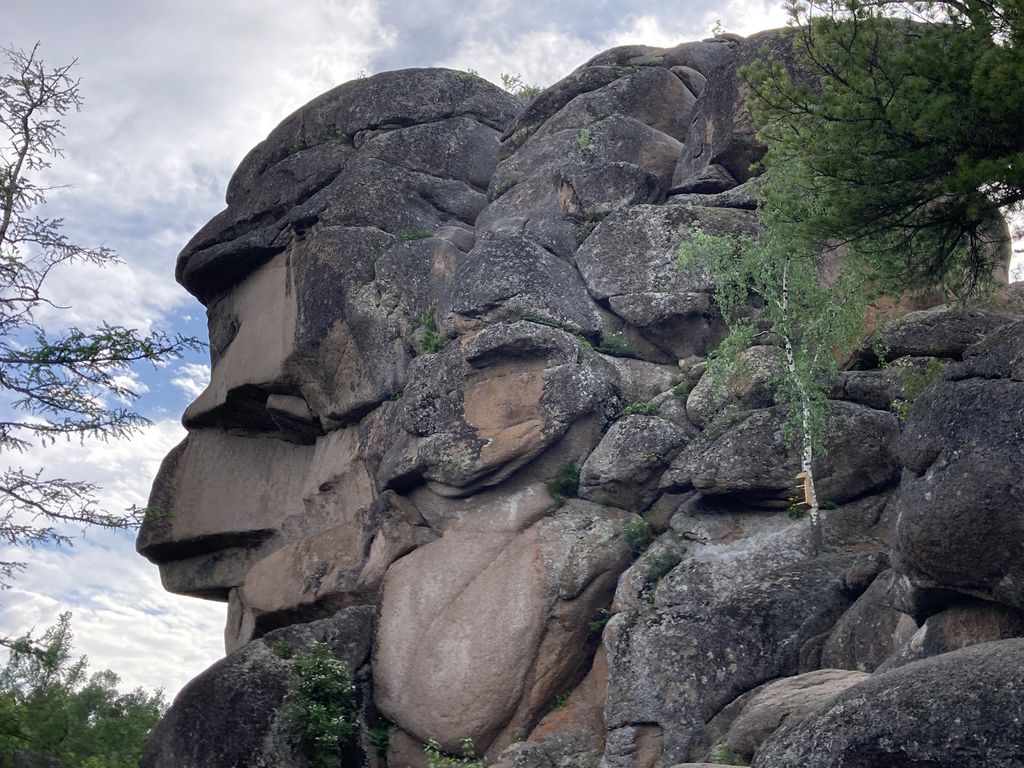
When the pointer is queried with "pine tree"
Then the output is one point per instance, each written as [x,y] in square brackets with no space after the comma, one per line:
[904,139]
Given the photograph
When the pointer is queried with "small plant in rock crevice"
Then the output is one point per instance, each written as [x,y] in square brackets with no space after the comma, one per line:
[913,380]
[722,755]
[413,233]
[513,83]
[565,485]
[658,565]
[639,408]
[282,649]
[321,705]
[583,138]
[600,620]
[438,759]
[614,344]
[380,738]
[584,230]
[637,534]
[560,701]
[430,341]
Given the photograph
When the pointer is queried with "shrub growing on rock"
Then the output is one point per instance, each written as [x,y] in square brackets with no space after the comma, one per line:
[322,705]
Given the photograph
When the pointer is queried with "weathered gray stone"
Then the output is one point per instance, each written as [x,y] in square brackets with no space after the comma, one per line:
[625,468]
[678,665]
[869,633]
[721,132]
[958,507]
[875,389]
[630,260]
[743,196]
[963,624]
[958,710]
[652,95]
[747,722]
[413,274]
[633,747]
[642,382]
[944,332]
[1000,355]
[507,279]
[244,695]
[614,139]
[481,409]
[549,101]
[308,160]
[748,386]
[753,461]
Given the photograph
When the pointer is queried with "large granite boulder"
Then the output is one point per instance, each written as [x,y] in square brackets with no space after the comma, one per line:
[454,359]
[677,665]
[624,469]
[631,262]
[753,460]
[868,634]
[963,624]
[482,408]
[957,710]
[311,147]
[452,662]
[722,146]
[245,695]
[945,332]
[746,723]
[959,506]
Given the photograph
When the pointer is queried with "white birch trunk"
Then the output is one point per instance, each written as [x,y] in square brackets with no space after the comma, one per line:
[807,455]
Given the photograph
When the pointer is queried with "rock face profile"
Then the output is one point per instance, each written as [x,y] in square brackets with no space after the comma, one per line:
[456,432]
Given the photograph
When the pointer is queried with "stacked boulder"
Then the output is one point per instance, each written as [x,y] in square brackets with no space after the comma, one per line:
[456,430]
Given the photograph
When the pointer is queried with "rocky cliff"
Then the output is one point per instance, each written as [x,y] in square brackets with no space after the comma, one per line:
[457,431]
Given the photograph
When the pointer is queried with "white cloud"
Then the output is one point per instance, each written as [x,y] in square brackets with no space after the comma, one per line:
[123,619]
[192,379]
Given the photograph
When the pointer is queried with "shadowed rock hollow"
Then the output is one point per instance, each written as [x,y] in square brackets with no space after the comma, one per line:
[456,430]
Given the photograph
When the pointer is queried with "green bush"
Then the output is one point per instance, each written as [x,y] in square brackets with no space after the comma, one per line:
[380,739]
[414,233]
[430,340]
[282,649]
[322,707]
[639,407]
[614,344]
[637,534]
[656,566]
[514,84]
[722,755]
[438,759]
[600,620]
[584,230]
[913,380]
[565,485]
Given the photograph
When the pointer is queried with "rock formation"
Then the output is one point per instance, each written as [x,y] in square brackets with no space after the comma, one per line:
[456,430]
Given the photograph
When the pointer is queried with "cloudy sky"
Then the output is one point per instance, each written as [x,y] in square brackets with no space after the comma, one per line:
[175,94]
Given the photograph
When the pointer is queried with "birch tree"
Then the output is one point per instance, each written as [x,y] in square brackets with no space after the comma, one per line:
[808,315]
